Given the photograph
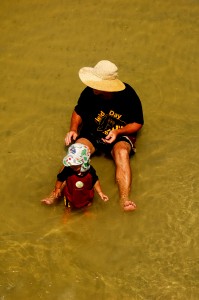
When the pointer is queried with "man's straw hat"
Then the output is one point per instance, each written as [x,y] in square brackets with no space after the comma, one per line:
[103,77]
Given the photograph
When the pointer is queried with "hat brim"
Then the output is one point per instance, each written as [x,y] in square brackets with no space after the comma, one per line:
[88,78]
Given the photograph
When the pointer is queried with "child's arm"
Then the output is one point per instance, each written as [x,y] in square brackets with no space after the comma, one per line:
[57,190]
[98,189]
[51,199]
[59,185]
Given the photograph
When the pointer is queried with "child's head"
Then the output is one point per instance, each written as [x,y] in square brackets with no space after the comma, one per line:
[78,157]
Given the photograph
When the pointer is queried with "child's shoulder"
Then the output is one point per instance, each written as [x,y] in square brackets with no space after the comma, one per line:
[92,169]
[67,170]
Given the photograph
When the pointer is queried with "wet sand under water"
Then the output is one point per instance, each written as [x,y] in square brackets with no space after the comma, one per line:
[151,253]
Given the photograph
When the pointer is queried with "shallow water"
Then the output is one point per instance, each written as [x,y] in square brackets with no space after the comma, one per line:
[151,253]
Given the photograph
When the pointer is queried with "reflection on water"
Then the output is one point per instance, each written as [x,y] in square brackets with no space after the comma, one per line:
[151,253]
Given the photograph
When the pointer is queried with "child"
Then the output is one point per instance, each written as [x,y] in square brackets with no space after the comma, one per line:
[80,179]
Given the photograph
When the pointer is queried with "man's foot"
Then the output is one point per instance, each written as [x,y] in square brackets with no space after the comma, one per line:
[51,199]
[129,206]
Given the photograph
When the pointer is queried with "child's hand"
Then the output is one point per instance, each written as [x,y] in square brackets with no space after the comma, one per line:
[103,197]
[47,201]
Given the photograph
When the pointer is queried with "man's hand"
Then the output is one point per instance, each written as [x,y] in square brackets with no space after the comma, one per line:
[111,137]
[71,135]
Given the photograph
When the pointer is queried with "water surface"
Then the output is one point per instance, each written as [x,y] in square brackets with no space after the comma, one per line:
[151,253]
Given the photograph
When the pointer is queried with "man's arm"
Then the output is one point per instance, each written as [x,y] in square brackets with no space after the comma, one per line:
[129,129]
[76,121]
[126,130]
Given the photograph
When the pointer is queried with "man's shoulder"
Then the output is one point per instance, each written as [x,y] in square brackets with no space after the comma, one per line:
[86,91]
[129,92]
[128,88]
[86,95]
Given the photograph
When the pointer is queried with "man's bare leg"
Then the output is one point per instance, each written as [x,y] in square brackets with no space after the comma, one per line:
[86,143]
[120,154]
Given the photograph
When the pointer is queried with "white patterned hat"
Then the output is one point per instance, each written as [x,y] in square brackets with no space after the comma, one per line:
[78,154]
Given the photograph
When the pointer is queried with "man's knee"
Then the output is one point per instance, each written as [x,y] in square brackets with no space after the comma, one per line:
[121,151]
[87,143]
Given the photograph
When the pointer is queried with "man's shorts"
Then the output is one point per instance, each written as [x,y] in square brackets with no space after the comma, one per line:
[101,146]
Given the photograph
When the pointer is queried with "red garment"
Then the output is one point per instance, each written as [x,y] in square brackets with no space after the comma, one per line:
[79,190]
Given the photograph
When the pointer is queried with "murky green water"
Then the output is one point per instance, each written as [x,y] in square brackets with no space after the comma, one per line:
[151,253]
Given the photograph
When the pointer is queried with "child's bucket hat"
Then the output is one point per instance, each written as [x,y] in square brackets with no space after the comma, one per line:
[78,154]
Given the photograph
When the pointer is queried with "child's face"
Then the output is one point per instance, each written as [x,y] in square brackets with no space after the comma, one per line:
[76,168]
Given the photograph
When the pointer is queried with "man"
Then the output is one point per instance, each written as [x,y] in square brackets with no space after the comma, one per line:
[108,116]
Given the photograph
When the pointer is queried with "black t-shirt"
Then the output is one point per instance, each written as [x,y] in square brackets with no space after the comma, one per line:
[67,171]
[99,115]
